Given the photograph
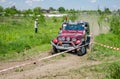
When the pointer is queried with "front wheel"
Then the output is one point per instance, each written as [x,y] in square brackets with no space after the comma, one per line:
[81,51]
[54,50]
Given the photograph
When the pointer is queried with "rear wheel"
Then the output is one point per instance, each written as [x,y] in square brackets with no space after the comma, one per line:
[81,51]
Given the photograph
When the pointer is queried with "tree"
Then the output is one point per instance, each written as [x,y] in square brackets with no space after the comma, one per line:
[51,9]
[42,19]
[118,11]
[25,12]
[11,11]
[115,25]
[1,9]
[72,11]
[61,9]
[19,11]
[99,11]
[37,10]
[29,11]
[107,11]
[7,11]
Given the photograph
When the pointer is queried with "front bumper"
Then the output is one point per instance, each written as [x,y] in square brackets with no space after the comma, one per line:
[64,47]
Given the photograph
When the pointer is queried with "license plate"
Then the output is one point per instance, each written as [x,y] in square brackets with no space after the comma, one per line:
[65,45]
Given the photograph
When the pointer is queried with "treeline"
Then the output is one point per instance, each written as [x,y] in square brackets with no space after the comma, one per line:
[13,10]
[9,11]
[35,11]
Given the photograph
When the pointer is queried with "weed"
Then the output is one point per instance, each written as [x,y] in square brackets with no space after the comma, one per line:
[63,55]
[113,71]
[17,34]
[18,70]
[115,24]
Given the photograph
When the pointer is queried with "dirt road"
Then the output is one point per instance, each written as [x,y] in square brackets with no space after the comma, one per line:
[60,67]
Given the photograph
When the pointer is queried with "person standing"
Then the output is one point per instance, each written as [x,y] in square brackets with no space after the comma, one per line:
[36,25]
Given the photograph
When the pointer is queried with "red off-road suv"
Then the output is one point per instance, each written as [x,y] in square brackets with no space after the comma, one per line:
[72,35]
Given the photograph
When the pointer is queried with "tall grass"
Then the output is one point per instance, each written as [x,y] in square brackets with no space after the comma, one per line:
[17,34]
[115,24]
[110,39]
[102,53]
[113,71]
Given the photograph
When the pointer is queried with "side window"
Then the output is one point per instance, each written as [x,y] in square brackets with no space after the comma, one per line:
[63,26]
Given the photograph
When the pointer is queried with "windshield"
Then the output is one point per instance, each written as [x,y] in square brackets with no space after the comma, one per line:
[73,27]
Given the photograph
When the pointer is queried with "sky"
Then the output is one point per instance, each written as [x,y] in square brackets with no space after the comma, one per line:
[67,4]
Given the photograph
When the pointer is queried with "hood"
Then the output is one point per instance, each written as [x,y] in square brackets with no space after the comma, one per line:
[72,33]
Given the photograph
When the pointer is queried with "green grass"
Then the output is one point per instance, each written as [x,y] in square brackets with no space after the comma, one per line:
[115,24]
[109,40]
[104,70]
[110,66]
[113,71]
[17,35]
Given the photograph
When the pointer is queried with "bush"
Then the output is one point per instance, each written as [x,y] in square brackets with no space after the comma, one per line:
[115,25]
[114,71]
[73,17]
[54,19]
[42,19]
[17,35]
[109,40]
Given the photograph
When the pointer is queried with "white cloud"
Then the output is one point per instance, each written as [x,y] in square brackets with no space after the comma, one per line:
[115,7]
[29,2]
[93,1]
[2,0]
[11,3]
[36,0]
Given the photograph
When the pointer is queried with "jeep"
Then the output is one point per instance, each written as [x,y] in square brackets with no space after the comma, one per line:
[72,35]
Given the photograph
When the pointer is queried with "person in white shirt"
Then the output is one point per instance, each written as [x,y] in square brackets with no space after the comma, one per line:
[36,25]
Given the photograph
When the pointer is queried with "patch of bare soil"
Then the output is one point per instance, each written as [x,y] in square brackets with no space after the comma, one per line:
[12,63]
[55,68]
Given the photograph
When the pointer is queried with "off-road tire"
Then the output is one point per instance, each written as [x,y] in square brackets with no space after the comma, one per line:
[82,51]
[54,50]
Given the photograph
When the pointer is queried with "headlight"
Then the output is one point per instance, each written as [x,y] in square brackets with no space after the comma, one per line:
[73,39]
[68,38]
[59,38]
[63,38]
